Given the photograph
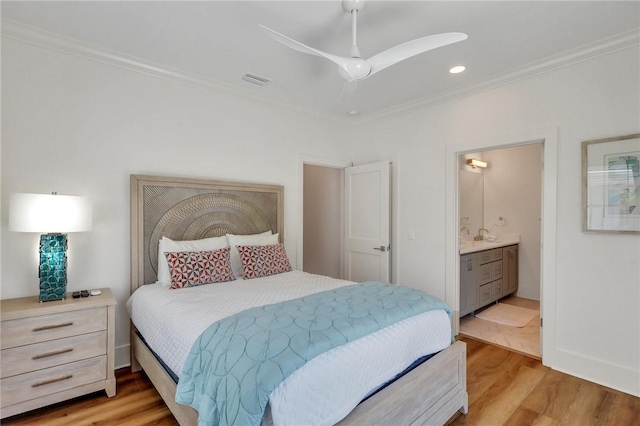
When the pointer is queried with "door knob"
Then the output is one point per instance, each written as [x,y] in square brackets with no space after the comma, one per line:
[381,248]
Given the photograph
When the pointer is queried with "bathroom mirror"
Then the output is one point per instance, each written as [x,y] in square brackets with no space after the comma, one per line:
[471,193]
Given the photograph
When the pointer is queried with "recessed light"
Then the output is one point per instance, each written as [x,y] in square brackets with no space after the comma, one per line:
[456,70]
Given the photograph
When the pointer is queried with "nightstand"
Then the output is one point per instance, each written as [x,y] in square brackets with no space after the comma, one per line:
[54,351]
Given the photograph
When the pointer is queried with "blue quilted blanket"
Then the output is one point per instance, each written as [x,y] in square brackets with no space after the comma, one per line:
[238,361]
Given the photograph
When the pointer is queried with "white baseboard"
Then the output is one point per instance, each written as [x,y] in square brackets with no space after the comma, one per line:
[123,356]
[601,372]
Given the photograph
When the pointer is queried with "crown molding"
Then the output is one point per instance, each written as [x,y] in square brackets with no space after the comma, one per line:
[580,54]
[42,38]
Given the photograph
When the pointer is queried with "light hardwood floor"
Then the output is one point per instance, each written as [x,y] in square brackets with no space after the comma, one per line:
[525,340]
[505,388]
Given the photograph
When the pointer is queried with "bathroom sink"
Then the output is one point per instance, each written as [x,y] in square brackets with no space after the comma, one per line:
[473,246]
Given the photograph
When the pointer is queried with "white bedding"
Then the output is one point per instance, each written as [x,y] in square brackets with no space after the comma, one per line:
[171,321]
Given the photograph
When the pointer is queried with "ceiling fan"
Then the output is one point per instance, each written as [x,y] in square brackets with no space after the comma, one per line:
[355,68]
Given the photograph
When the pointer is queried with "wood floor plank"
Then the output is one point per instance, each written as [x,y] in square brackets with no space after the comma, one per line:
[495,365]
[522,417]
[586,409]
[620,409]
[554,395]
[545,421]
[500,401]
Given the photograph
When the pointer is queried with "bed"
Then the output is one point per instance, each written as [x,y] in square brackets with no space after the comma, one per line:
[188,209]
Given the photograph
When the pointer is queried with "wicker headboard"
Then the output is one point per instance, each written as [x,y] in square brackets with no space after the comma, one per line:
[191,209]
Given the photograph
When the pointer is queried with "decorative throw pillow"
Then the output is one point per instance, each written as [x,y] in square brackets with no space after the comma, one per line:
[262,261]
[247,240]
[168,245]
[191,268]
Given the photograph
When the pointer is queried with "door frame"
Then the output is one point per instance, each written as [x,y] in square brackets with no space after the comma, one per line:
[549,138]
[314,160]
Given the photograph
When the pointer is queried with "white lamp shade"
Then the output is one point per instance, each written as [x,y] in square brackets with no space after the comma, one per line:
[49,213]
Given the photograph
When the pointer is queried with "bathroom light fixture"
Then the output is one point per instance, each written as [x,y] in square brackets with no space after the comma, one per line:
[55,215]
[476,163]
[457,69]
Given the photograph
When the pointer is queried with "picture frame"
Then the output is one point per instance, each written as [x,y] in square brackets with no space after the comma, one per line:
[611,185]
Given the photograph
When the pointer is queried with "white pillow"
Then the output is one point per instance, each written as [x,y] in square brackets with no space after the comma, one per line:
[168,245]
[246,240]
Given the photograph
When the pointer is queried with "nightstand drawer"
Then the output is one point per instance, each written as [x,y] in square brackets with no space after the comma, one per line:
[24,387]
[24,359]
[25,331]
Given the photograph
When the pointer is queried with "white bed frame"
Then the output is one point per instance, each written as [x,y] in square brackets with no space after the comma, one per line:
[428,395]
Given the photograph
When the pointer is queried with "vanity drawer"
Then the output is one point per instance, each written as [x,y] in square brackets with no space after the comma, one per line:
[25,387]
[496,270]
[496,254]
[24,359]
[484,257]
[485,294]
[26,331]
[496,289]
[484,273]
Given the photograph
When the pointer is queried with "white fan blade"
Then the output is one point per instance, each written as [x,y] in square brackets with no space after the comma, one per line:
[296,45]
[411,48]
[349,88]
[289,42]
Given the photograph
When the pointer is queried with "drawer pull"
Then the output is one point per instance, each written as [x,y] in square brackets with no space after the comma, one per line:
[48,354]
[49,327]
[47,382]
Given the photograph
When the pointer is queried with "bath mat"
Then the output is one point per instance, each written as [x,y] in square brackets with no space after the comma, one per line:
[514,316]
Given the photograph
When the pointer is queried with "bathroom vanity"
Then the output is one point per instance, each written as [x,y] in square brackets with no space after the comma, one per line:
[488,272]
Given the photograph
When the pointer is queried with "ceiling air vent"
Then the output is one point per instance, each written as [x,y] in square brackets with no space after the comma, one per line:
[256,79]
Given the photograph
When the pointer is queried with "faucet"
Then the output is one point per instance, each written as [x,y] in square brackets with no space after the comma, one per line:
[479,236]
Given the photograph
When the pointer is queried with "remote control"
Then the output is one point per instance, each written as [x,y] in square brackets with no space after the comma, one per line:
[95,292]
[84,293]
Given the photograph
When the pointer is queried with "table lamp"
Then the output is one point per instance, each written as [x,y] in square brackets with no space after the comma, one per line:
[55,216]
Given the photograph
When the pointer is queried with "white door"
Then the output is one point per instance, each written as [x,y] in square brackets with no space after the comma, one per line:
[367,222]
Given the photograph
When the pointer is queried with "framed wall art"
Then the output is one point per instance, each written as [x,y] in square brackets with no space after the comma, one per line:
[611,185]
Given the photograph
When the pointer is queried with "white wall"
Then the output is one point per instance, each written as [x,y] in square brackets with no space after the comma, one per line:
[81,127]
[596,330]
[513,191]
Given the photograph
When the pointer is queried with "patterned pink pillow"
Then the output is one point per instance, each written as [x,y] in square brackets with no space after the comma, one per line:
[262,261]
[191,268]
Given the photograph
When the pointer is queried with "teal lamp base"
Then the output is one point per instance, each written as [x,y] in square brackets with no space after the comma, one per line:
[53,267]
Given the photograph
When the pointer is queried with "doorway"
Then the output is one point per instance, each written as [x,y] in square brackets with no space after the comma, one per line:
[327,165]
[549,137]
[322,220]
[360,215]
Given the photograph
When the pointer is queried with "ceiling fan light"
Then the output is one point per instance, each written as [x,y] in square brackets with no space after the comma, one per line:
[457,69]
[356,68]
